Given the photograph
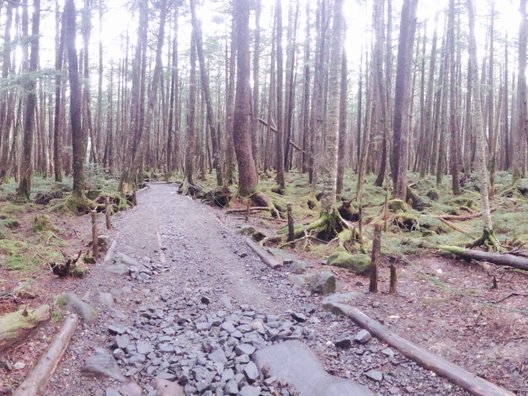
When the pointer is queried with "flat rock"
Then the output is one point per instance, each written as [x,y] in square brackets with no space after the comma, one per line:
[100,364]
[249,390]
[340,298]
[297,267]
[294,363]
[119,269]
[374,375]
[111,392]
[164,387]
[251,372]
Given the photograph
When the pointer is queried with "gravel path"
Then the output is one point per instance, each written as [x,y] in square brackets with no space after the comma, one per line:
[195,305]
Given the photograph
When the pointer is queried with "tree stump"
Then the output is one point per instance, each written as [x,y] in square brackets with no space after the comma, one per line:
[291,225]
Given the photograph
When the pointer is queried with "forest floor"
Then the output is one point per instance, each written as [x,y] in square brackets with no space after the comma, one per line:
[199,267]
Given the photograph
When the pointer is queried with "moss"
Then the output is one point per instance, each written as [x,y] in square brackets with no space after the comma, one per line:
[433,194]
[407,221]
[79,270]
[43,223]
[11,208]
[359,263]
[397,206]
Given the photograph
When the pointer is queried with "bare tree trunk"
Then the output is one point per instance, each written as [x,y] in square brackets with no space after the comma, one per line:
[341,158]
[400,154]
[26,167]
[279,138]
[57,130]
[247,181]
[328,200]
[522,126]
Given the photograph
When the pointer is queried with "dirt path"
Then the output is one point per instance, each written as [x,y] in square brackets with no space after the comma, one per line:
[202,278]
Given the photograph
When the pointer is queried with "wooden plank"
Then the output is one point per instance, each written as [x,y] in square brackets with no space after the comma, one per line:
[42,372]
[444,368]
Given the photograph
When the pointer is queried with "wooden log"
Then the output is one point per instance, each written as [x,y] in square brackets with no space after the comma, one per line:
[463,217]
[266,258]
[44,369]
[16,325]
[291,225]
[454,373]
[375,258]
[509,260]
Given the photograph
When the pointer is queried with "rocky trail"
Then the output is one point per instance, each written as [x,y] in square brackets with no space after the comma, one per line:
[185,307]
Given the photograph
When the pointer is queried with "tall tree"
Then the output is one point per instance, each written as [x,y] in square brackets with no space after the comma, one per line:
[488,238]
[247,179]
[204,78]
[522,113]
[328,201]
[279,139]
[75,99]
[401,124]
[26,166]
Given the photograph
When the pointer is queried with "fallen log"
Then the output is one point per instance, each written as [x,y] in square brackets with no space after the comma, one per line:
[456,374]
[266,258]
[47,364]
[509,260]
[463,217]
[16,325]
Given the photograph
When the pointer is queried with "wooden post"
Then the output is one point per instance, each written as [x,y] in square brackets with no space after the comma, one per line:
[291,225]
[393,288]
[108,209]
[94,234]
[374,263]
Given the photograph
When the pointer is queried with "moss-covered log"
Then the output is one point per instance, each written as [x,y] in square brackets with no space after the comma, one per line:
[14,326]
[509,260]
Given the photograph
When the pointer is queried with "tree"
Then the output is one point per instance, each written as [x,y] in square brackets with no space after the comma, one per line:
[522,121]
[488,238]
[401,124]
[75,100]
[247,179]
[26,166]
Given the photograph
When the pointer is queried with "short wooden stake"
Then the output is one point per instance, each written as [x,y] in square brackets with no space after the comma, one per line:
[248,206]
[108,212]
[94,234]
[393,287]
[291,225]
[375,258]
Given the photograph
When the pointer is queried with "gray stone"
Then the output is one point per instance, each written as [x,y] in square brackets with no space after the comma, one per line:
[123,341]
[131,389]
[244,349]
[374,375]
[71,302]
[294,363]
[119,269]
[323,283]
[218,356]
[251,372]
[124,259]
[111,392]
[249,390]
[144,347]
[101,363]
[116,329]
[164,387]
[231,388]
[388,352]
[340,298]
[227,375]
[105,299]
[362,336]
[297,267]
[299,317]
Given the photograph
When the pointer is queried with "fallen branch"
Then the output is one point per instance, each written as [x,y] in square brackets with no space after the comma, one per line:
[456,374]
[495,258]
[514,294]
[455,227]
[462,217]
[274,130]
[251,209]
[47,364]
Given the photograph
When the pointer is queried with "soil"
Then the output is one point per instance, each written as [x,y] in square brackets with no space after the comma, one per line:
[445,305]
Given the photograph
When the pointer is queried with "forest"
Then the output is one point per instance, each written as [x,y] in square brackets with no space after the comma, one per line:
[385,140]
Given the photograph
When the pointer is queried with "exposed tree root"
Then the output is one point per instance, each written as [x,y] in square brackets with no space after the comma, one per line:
[487,240]
[260,199]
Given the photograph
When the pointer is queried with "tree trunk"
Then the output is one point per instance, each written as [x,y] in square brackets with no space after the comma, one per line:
[247,181]
[26,167]
[400,152]
[522,126]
